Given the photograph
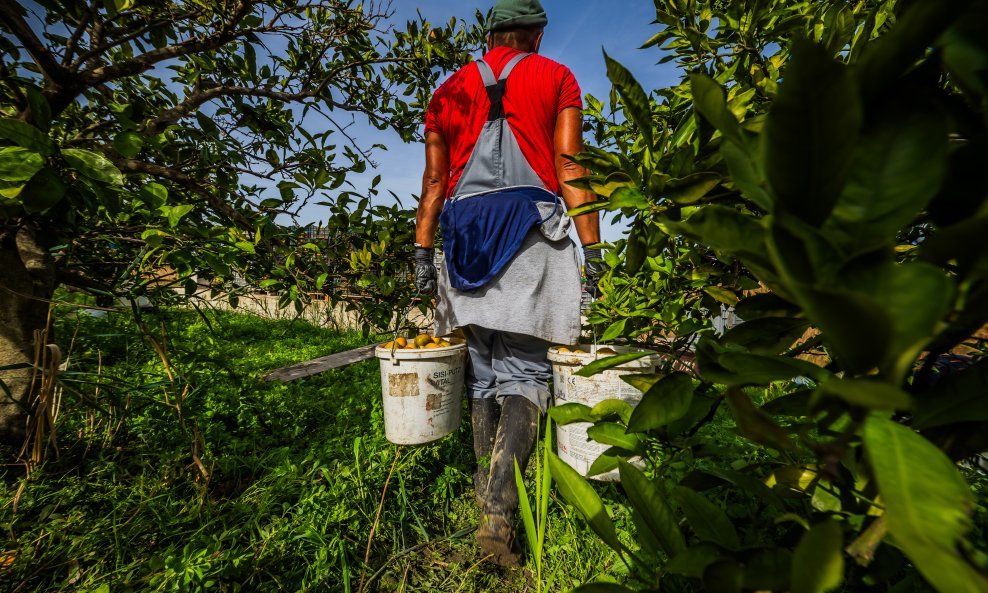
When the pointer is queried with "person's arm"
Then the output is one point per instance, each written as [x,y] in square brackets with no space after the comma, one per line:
[569,140]
[434,182]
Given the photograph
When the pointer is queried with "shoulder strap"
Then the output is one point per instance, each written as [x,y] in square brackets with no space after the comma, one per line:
[496,87]
[511,65]
[486,74]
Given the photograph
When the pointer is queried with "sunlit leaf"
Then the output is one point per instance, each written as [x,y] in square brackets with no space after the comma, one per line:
[927,504]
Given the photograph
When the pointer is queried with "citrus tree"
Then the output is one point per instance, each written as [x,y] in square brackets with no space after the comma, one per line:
[819,169]
[146,142]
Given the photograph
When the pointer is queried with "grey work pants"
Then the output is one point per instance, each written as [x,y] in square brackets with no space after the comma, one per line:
[505,364]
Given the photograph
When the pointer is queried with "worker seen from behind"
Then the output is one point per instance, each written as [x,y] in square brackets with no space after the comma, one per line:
[496,135]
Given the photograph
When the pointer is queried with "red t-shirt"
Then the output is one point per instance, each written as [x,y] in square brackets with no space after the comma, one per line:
[538,89]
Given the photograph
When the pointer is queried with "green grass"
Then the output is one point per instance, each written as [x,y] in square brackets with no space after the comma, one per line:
[291,476]
[294,475]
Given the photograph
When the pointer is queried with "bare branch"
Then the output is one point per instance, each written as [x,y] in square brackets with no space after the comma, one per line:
[73,41]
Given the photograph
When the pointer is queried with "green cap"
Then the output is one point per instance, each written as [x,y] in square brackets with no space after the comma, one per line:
[509,14]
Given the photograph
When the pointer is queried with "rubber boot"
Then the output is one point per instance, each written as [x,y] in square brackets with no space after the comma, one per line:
[483,416]
[516,434]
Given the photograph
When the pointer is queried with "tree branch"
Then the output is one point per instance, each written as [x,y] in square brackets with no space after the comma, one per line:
[162,172]
[146,61]
[201,96]
[11,18]
[73,41]
[100,49]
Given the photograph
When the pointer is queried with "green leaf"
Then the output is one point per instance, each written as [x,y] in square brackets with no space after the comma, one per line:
[589,207]
[582,496]
[628,197]
[649,502]
[614,435]
[692,561]
[154,194]
[767,335]
[802,254]
[917,296]
[867,393]
[725,230]
[614,330]
[764,305]
[611,407]
[818,561]
[927,504]
[245,246]
[525,510]
[790,404]
[115,7]
[609,362]
[27,136]
[18,163]
[128,144]
[856,327]
[637,107]
[607,461]
[693,188]
[93,165]
[959,397]
[40,109]
[747,171]
[710,101]
[721,294]
[43,191]
[897,169]
[666,401]
[642,382]
[811,132]
[571,412]
[11,191]
[175,213]
[755,425]
[758,369]
[708,521]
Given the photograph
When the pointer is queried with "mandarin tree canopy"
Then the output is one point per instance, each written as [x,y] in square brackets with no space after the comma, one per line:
[183,136]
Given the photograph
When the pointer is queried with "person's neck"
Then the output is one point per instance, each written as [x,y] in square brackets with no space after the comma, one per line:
[524,50]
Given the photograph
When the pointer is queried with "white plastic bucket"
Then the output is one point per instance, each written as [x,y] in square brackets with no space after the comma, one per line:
[422,392]
[571,439]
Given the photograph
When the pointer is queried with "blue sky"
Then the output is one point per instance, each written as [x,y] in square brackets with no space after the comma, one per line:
[577,31]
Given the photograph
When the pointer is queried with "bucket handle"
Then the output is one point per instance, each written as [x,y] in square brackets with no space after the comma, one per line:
[394,338]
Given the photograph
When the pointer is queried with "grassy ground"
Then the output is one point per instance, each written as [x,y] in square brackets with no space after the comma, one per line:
[180,469]
[196,475]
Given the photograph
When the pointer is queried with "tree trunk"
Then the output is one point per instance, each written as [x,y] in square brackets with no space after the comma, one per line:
[27,284]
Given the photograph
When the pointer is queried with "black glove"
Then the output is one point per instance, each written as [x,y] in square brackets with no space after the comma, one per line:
[593,269]
[425,271]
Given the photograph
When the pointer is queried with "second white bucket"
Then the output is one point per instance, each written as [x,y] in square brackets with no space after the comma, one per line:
[422,391]
[571,439]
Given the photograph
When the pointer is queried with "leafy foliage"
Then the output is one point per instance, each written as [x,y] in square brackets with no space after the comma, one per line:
[155,142]
[816,172]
